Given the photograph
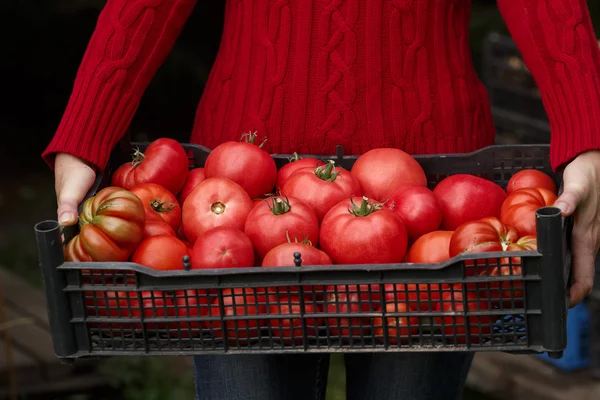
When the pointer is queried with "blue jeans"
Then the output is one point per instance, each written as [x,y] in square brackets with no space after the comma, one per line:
[380,376]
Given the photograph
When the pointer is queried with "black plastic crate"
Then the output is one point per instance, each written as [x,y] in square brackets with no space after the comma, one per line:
[100,309]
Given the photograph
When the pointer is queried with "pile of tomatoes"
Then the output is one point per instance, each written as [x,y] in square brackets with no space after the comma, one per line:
[239,211]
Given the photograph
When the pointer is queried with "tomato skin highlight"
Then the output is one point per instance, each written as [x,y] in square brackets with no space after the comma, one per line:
[222,247]
[530,178]
[159,204]
[164,163]
[194,178]
[215,202]
[382,171]
[464,198]
[161,252]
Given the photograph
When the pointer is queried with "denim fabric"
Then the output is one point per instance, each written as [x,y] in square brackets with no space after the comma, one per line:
[379,376]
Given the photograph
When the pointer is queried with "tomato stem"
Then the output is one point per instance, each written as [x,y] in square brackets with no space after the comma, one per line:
[327,172]
[138,158]
[280,205]
[217,208]
[161,206]
[295,157]
[251,137]
[365,208]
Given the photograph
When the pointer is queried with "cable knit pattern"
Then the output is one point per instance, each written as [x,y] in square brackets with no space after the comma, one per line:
[310,75]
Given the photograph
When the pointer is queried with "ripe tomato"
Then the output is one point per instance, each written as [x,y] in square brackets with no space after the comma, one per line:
[424,296]
[194,177]
[400,329]
[454,326]
[363,234]
[321,187]
[464,198]
[161,252]
[276,220]
[283,255]
[153,228]
[349,299]
[382,171]
[419,209]
[215,202]
[294,165]
[191,304]
[245,163]
[431,248]
[290,329]
[485,235]
[520,206]
[165,163]
[159,204]
[111,225]
[238,303]
[222,247]
[530,178]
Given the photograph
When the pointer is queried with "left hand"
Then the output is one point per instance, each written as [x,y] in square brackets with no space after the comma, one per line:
[581,197]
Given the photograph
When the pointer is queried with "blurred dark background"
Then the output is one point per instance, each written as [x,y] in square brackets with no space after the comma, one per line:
[42,44]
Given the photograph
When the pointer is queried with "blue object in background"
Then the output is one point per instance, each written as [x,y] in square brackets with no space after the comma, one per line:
[577,354]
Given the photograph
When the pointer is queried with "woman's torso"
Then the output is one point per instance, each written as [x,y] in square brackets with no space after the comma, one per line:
[312,74]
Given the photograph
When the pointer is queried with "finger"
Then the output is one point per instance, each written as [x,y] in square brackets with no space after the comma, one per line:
[571,197]
[70,194]
[584,254]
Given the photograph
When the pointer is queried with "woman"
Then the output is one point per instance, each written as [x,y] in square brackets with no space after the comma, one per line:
[313,74]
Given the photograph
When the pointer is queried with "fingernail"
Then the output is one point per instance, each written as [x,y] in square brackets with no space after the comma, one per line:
[65,218]
[563,207]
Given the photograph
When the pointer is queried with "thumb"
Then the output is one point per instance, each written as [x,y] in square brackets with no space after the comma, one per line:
[568,201]
[74,178]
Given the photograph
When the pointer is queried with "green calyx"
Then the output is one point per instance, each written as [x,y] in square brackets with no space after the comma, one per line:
[365,208]
[251,137]
[137,158]
[161,206]
[305,241]
[327,172]
[279,205]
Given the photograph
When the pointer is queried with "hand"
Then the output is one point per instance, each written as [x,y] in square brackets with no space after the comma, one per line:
[581,197]
[73,178]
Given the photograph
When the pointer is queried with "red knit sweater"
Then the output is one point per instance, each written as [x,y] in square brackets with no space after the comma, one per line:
[312,74]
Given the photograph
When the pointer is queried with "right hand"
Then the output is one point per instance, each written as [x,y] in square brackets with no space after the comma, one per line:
[73,178]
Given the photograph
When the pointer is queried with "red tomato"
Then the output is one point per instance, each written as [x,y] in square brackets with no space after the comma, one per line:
[381,172]
[181,233]
[283,255]
[519,208]
[464,198]
[321,187]
[194,178]
[159,204]
[454,326]
[363,234]
[419,209]
[530,178]
[345,299]
[399,328]
[290,329]
[222,247]
[191,304]
[245,163]
[161,252]
[154,228]
[295,164]
[165,163]
[215,202]
[238,303]
[111,225]
[276,220]
[424,296]
[485,235]
[431,248]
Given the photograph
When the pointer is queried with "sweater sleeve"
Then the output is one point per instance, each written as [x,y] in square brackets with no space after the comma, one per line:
[131,40]
[558,45]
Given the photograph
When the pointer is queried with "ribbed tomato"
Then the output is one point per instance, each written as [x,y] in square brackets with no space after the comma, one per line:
[321,187]
[245,163]
[363,233]
[215,202]
[111,225]
[294,165]
[164,162]
[194,178]
[519,208]
[161,252]
[484,235]
[222,247]
[276,220]
[159,204]
[530,178]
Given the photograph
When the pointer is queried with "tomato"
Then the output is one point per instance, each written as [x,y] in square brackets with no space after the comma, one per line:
[290,329]
[276,220]
[520,206]
[191,304]
[294,165]
[381,172]
[464,198]
[161,252]
[164,162]
[222,247]
[194,177]
[159,204]
[530,178]
[419,209]
[215,202]
[181,233]
[485,235]
[153,228]
[321,187]
[400,329]
[237,303]
[283,255]
[245,163]
[363,234]
[111,225]
[424,296]
[431,248]
[345,299]
[454,326]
